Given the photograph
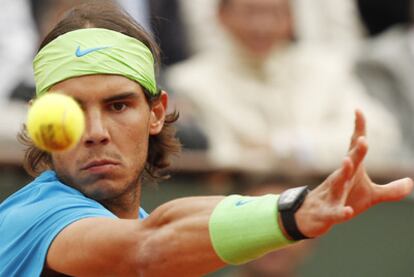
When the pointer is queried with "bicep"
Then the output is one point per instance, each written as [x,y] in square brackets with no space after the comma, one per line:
[93,246]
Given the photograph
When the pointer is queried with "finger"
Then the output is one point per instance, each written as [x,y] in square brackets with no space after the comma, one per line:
[342,214]
[359,129]
[358,152]
[347,169]
[336,214]
[350,165]
[340,178]
[393,191]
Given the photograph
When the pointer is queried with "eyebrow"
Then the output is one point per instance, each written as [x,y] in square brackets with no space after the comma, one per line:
[121,96]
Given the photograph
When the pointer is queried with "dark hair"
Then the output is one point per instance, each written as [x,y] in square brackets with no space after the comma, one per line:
[106,14]
[379,15]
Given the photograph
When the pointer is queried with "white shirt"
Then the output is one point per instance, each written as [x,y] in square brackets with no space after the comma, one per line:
[295,109]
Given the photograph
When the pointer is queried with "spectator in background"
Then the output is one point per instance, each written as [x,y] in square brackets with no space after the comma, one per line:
[329,23]
[265,101]
[386,63]
[16,45]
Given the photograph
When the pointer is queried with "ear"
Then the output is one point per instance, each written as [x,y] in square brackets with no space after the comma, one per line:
[158,113]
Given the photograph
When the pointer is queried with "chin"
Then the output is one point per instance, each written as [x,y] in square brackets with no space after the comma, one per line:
[101,186]
[103,190]
[97,186]
[110,189]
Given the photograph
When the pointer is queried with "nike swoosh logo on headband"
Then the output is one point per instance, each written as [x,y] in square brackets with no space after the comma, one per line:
[80,53]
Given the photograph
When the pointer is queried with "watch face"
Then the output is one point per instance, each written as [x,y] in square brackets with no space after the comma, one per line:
[292,198]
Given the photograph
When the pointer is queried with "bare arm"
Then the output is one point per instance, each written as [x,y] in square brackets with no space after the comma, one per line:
[173,241]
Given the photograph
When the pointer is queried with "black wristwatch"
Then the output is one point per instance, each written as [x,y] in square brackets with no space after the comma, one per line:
[289,202]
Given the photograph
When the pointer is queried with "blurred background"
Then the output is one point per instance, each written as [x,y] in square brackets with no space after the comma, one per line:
[266,91]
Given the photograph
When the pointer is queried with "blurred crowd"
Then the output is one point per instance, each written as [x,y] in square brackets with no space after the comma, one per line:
[261,85]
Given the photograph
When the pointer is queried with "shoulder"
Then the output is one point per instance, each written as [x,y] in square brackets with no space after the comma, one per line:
[35,215]
[200,61]
[46,195]
[45,189]
[200,69]
[316,65]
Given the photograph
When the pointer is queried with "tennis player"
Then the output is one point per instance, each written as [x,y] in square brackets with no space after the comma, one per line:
[81,215]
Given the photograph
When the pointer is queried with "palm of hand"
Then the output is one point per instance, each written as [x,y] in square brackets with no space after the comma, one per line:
[361,196]
[348,191]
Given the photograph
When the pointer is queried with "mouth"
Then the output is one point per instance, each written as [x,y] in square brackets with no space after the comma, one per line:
[100,166]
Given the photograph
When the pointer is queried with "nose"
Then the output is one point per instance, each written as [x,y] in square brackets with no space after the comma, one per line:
[96,132]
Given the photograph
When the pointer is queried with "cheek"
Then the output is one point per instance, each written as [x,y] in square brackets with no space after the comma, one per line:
[64,162]
[132,138]
[134,152]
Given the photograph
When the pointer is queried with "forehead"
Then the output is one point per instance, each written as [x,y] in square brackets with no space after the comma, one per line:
[96,87]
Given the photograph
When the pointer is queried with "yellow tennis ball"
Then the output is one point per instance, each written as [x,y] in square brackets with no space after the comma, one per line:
[55,122]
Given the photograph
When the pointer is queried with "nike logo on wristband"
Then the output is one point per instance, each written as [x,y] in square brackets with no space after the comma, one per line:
[80,53]
[242,202]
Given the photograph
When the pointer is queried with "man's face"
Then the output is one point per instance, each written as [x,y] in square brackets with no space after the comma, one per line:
[110,157]
[258,25]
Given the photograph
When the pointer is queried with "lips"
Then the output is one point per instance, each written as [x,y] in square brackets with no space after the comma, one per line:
[99,165]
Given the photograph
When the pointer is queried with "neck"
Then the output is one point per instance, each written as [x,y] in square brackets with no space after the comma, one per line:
[125,206]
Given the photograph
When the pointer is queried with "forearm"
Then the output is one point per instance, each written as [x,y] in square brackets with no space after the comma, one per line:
[178,242]
[203,234]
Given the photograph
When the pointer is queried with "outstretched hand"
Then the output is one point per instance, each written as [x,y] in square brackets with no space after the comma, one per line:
[348,191]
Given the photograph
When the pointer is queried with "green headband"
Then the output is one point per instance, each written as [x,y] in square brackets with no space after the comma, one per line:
[93,51]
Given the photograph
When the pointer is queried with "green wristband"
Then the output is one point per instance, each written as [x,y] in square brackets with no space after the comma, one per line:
[244,228]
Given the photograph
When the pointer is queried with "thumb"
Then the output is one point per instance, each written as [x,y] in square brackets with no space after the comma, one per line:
[393,191]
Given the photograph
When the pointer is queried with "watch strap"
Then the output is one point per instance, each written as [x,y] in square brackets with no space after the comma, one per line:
[289,222]
[289,202]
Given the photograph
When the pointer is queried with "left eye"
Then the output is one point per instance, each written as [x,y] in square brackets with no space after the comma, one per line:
[118,107]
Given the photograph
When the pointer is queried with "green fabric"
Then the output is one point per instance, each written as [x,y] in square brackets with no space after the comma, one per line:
[93,51]
[244,228]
